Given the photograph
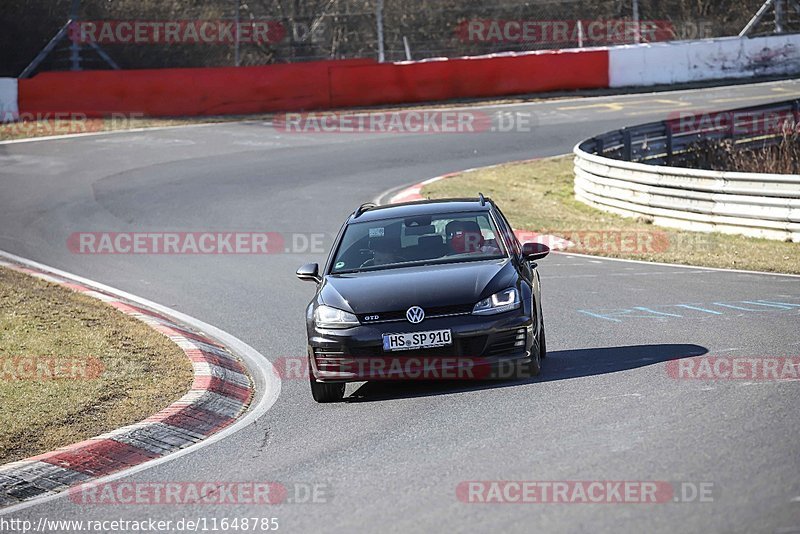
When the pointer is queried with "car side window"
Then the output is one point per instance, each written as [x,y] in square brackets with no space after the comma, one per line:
[508,234]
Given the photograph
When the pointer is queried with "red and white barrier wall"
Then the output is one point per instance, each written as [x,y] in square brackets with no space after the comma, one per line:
[362,82]
[305,86]
[709,59]
[9,109]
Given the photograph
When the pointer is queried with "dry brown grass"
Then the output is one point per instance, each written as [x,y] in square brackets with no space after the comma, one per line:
[726,155]
[77,124]
[140,371]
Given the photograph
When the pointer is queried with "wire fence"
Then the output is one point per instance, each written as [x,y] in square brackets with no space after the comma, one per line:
[135,34]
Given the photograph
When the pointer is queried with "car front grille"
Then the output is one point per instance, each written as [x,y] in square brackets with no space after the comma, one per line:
[430,313]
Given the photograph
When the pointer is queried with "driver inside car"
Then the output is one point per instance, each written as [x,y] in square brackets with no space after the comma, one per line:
[384,252]
[465,237]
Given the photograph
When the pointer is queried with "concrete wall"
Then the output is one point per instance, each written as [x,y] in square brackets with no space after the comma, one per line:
[710,59]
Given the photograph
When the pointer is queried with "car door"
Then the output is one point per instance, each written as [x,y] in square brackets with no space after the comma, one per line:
[527,269]
[516,248]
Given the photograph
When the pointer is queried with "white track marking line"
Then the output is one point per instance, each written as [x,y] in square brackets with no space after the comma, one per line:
[681,266]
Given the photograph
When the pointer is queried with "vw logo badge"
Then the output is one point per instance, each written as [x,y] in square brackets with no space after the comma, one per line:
[415,315]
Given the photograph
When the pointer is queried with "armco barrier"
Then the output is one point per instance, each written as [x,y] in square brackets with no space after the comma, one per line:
[626,172]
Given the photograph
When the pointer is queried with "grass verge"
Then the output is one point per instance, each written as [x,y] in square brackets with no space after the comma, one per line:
[72,367]
[538,196]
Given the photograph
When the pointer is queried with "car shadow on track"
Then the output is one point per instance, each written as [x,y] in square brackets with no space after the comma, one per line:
[559,365]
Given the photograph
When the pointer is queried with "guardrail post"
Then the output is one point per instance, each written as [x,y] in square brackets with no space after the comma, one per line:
[668,136]
[626,138]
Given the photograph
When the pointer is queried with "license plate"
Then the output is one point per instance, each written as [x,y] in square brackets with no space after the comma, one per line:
[417,340]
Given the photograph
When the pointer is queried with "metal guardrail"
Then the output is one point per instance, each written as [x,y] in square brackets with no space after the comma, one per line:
[634,172]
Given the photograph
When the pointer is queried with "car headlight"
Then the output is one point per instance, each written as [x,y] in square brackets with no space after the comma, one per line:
[503,301]
[327,317]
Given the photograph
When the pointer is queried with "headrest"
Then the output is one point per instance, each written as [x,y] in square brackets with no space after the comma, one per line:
[463,242]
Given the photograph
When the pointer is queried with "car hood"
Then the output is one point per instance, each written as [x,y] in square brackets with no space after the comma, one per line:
[426,286]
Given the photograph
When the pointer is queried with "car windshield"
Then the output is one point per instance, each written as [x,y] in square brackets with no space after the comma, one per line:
[419,240]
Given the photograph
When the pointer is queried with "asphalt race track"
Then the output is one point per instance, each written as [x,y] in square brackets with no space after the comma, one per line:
[391,457]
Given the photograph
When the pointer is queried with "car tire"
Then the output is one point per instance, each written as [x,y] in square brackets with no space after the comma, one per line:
[534,367]
[542,344]
[324,392]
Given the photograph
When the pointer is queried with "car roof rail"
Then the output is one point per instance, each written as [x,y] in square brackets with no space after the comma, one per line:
[482,199]
[366,206]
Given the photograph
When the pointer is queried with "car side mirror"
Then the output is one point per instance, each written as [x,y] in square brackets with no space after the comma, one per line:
[535,251]
[309,273]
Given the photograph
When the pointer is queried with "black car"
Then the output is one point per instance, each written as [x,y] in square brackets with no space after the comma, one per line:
[434,290]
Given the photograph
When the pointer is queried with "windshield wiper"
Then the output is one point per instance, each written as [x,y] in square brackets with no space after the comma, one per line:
[348,271]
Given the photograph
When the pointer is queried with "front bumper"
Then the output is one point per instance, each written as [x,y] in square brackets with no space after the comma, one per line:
[483,347]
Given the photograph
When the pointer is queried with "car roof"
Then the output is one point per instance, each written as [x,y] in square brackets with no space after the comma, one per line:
[425,207]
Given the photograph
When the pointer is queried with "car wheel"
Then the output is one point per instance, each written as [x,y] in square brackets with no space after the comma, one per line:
[323,392]
[542,344]
[534,367]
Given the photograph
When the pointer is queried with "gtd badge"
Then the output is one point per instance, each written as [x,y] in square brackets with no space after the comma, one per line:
[415,315]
